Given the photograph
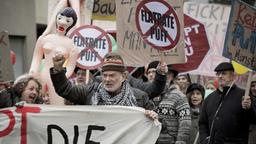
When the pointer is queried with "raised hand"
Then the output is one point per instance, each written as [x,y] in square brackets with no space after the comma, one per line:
[58,61]
[162,68]
[246,102]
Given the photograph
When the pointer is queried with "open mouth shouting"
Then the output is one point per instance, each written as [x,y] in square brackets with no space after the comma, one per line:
[31,98]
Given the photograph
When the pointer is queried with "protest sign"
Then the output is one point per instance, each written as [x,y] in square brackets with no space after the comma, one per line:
[131,45]
[158,24]
[240,42]
[6,67]
[104,10]
[41,124]
[93,43]
[215,19]
[196,44]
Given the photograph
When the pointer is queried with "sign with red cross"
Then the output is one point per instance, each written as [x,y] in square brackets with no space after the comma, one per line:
[158,24]
[93,43]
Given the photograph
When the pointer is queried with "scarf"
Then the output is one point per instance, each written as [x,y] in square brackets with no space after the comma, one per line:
[195,112]
[124,98]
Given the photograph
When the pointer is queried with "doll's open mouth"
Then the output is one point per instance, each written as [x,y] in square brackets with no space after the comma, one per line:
[61,28]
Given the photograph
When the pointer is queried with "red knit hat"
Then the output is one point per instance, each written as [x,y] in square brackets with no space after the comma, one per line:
[113,62]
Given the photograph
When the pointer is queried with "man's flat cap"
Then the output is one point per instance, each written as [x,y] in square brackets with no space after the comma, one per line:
[225,66]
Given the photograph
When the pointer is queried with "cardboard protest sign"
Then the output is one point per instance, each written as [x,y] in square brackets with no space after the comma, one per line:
[6,68]
[104,10]
[41,124]
[93,43]
[240,42]
[138,50]
[197,45]
[215,19]
[158,24]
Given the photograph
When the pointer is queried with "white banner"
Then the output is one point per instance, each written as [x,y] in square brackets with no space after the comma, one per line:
[41,124]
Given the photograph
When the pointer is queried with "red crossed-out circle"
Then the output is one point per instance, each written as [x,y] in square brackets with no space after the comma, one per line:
[99,56]
[149,5]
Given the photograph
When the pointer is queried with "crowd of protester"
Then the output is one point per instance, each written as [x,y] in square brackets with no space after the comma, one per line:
[225,115]
[187,117]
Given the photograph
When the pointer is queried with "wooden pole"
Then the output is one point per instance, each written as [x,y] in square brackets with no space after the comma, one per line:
[87,76]
[248,84]
[161,57]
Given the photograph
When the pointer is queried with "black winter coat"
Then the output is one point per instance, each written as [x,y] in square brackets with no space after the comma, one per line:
[8,98]
[231,123]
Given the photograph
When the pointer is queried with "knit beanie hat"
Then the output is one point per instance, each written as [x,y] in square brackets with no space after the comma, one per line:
[196,86]
[153,64]
[113,62]
[186,75]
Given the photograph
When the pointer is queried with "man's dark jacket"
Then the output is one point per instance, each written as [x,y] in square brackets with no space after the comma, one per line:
[82,94]
[231,123]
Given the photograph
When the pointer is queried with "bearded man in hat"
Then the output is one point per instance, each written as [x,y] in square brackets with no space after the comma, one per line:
[112,90]
[226,113]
